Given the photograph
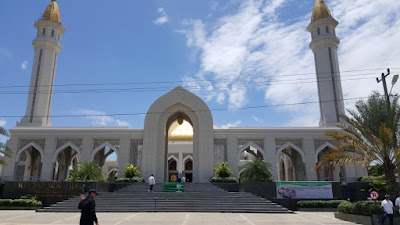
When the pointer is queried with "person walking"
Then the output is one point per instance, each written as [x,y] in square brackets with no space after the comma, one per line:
[152,182]
[88,208]
[387,206]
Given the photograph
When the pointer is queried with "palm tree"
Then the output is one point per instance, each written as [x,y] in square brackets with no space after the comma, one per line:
[4,150]
[370,136]
[256,170]
[88,171]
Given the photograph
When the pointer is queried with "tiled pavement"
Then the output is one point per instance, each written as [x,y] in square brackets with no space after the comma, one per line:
[300,218]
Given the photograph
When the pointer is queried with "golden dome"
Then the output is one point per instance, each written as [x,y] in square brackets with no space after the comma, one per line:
[320,10]
[183,132]
[52,12]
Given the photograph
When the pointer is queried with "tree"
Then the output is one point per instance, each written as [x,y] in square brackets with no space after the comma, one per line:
[369,136]
[130,171]
[87,171]
[4,150]
[375,170]
[222,170]
[256,170]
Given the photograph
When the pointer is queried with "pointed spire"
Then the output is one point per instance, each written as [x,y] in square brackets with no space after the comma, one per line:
[320,11]
[52,12]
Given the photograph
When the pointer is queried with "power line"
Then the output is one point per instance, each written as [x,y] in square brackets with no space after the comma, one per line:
[194,80]
[193,111]
[191,88]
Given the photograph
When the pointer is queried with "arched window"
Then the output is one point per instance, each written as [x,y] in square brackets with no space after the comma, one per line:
[319,31]
[44,31]
[52,33]
[172,165]
[189,165]
[327,29]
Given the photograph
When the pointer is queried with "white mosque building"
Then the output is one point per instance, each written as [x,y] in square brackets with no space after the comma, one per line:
[178,135]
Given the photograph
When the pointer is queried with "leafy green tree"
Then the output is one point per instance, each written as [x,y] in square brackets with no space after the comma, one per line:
[256,170]
[87,171]
[369,136]
[223,170]
[4,150]
[130,171]
[375,170]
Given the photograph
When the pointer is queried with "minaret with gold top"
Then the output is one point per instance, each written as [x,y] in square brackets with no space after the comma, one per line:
[47,47]
[324,45]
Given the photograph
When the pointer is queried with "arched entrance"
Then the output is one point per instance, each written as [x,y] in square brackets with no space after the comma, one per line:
[29,163]
[291,163]
[180,146]
[64,161]
[106,156]
[159,119]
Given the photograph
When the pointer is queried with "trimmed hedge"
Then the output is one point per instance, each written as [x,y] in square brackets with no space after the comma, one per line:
[319,204]
[129,180]
[20,202]
[363,208]
[223,180]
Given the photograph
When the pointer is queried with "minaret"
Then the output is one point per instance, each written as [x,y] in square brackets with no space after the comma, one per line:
[47,47]
[324,45]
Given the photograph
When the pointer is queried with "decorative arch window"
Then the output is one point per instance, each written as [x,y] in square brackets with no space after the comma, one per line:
[172,165]
[44,31]
[319,31]
[189,165]
[52,33]
[327,29]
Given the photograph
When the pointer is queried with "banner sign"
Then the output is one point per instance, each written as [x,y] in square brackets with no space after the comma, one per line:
[304,190]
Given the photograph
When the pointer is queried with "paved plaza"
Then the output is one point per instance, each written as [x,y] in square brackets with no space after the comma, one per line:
[300,218]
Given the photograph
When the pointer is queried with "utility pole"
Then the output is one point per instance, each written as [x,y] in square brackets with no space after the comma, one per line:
[383,80]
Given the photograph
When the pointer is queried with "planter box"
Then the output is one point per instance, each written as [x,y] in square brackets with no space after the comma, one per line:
[365,220]
[317,209]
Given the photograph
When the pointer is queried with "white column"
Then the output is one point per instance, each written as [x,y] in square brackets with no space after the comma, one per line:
[124,155]
[271,157]
[309,152]
[47,161]
[232,150]
[8,170]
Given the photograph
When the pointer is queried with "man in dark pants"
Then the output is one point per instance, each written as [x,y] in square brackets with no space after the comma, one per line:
[88,208]
[387,207]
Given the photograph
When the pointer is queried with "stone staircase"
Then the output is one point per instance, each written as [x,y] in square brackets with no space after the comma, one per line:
[195,198]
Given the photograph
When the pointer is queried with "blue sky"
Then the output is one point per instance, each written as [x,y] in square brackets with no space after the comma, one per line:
[232,54]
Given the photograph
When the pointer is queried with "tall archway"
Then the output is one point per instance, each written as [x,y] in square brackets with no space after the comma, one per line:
[64,162]
[248,153]
[291,163]
[106,156]
[159,118]
[29,163]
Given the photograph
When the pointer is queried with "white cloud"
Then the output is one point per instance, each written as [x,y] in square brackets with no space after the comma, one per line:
[233,124]
[258,120]
[121,123]
[100,118]
[254,49]
[24,65]
[2,123]
[163,17]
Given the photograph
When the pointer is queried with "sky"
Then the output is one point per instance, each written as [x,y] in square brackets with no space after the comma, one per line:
[120,56]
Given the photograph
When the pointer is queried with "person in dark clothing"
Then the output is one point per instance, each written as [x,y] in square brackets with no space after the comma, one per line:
[88,208]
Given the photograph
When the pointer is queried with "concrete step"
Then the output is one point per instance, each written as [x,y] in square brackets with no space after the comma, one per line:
[195,198]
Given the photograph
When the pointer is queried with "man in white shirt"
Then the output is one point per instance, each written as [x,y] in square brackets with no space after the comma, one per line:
[152,182]
[397,203]
[387,206]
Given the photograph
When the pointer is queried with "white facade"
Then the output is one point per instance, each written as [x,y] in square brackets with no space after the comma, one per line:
[44,152]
